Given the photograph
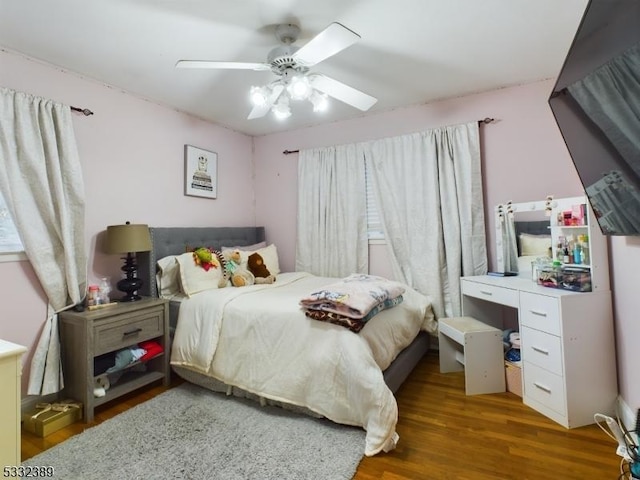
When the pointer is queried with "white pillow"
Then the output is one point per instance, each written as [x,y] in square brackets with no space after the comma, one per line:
[252,248]
[538,245]
[168,277]
[269,255]
[194,278]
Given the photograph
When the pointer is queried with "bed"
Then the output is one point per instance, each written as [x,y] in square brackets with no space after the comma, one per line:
[282,357]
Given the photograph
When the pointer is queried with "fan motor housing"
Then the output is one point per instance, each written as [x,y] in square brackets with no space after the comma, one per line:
[280,58]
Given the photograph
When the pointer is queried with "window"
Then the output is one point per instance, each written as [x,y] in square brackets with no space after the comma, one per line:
[374,225]
[10,242]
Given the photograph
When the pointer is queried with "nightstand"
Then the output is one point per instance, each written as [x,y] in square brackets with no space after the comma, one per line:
[84,336]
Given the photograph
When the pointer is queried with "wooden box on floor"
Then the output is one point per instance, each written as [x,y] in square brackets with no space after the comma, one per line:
[43,424]
[513,375]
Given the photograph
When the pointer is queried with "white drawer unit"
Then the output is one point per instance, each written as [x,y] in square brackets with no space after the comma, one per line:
[540,312]
[541,349]
[544,389]
[567,343]
[491,293]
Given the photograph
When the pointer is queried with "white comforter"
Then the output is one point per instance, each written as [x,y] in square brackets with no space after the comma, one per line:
[258,338]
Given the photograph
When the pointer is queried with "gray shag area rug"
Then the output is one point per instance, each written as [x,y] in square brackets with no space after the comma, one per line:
[189,432]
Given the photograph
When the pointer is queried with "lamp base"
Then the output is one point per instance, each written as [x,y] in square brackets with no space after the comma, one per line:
[129,298]
[130,284]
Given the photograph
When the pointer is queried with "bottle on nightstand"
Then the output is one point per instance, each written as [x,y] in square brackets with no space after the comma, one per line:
[104,290]
[93,293]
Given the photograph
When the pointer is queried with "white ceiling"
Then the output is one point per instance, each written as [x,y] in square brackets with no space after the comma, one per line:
[411,51]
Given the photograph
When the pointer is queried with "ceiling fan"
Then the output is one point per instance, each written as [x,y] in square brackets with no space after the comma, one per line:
[291,64]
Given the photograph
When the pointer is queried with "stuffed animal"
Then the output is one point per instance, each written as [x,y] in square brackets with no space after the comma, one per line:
[205,258]
[234,272]
[259,270]
[100,385]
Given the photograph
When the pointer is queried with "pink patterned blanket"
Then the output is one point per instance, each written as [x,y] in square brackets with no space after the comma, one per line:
[354,296]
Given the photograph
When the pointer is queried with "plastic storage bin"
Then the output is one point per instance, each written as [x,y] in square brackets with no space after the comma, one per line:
[576,279]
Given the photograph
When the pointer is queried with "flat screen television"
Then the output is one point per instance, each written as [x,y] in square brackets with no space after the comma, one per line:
[596,104]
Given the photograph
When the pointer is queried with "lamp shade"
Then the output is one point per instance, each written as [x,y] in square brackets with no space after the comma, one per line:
[128,238]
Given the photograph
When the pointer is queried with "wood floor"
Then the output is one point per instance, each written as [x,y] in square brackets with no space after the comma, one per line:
[446,435]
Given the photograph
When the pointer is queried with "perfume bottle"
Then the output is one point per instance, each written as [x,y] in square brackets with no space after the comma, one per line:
[577,254]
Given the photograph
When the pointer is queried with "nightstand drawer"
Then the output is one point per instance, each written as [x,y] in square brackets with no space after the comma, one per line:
[542,349]
[540,312]
[544,387]
[490,293]
[123,331]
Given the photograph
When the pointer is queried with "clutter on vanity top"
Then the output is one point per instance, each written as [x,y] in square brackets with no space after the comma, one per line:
[555,275]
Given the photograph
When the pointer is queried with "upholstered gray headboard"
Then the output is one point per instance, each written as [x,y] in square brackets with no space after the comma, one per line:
[175,240]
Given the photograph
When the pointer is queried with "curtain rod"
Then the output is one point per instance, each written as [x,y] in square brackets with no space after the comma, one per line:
[84,111]
[484,120]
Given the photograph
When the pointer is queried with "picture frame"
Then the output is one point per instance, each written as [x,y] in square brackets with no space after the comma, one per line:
[200,172]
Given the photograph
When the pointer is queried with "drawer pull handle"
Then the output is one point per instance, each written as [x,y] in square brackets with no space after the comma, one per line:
[539,313]
[542,387]
[540,350]
[486,292]
[135,331]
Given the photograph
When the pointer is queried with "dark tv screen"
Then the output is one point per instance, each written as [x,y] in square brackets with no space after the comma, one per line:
[596,104]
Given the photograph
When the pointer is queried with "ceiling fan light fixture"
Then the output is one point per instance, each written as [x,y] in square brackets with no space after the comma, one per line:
[281,110]
[259,96]
[299,87]
[320,101]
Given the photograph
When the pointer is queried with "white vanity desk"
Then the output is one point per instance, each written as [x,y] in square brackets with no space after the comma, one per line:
[567,338]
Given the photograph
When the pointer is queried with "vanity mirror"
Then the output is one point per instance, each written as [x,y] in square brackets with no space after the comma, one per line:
[523,234]
[562,230]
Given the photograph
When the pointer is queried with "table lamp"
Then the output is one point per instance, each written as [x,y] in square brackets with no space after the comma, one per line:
[128,239]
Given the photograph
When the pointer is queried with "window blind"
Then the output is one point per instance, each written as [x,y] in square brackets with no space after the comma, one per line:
[374,224]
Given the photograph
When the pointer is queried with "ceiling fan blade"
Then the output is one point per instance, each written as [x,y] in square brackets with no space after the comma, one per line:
[222,65]
[262,110]
[333,39]
[342,92]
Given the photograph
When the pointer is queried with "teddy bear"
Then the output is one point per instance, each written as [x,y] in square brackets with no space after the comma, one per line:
[100,385]
[256,266]
[234,272]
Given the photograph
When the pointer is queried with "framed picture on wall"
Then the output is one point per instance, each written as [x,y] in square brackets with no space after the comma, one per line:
[200,172]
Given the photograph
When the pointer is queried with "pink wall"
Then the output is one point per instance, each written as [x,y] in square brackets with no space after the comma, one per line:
[624,258]
[132,160]
[524,159]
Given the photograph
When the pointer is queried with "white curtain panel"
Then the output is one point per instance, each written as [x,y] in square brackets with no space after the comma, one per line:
[332,224]
[428,189]
[41,180]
